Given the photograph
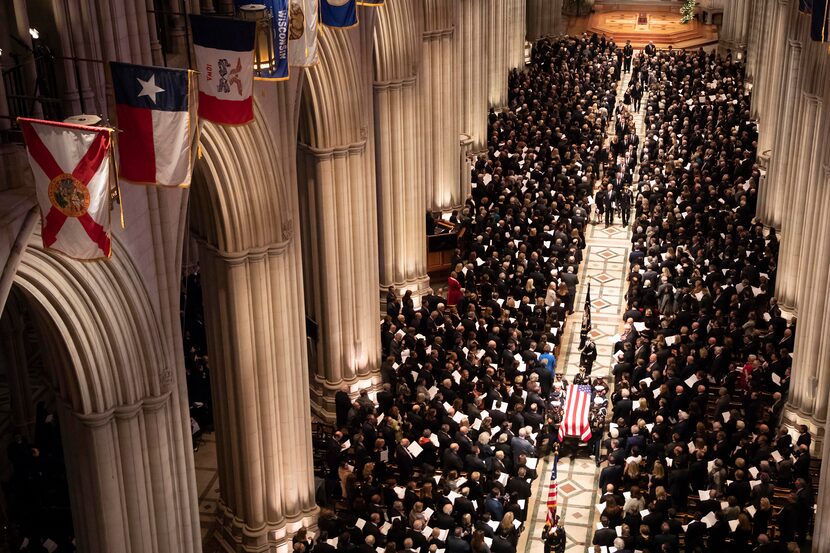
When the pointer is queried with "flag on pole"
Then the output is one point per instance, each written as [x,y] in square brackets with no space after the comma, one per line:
[302,33]
[225,57]
[152,105]
[338,13]
[553,493]
[577,408]
[586,319]
[72,169]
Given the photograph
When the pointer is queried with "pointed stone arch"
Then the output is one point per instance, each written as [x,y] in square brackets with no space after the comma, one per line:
[338,213]
[244,217]
[125,429]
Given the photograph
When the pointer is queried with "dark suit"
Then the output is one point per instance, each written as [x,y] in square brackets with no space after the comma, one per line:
[608,199]
[611,474]
[604,536]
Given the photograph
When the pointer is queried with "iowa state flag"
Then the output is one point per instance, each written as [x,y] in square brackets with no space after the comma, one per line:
[225,57]
[338,13]
[72,169]
[153,109]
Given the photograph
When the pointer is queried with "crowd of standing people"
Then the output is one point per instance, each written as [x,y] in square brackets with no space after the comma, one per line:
[696,457]
[444,456]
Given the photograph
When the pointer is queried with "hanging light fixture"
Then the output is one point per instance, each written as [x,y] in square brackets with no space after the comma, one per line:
[265,60]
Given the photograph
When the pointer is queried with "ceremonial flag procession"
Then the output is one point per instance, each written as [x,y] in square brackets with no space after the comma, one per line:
[152,105]
[71,166]
[577,408]
[225,56]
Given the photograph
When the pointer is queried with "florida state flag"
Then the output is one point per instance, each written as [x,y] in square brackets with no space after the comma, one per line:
[71,165]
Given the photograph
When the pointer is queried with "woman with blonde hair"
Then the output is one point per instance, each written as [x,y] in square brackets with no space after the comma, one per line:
[550,295]
[631,474]
[657,478]
[507,530]
[662,502]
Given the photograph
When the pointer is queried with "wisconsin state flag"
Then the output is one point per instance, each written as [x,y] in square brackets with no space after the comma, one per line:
[71,166]
[156,138]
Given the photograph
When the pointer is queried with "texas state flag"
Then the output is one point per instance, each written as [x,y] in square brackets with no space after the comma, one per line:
[338,13]
[156,138]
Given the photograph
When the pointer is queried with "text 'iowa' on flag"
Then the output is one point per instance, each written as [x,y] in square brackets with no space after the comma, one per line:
[225,57]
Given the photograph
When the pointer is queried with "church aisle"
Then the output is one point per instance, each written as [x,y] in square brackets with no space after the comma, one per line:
[605,266]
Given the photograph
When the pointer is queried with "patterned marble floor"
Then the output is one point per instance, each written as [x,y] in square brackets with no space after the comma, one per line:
[605,266]
[606,256]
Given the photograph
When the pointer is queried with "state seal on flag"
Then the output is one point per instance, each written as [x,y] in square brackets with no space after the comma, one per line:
[296,23]
[69,195]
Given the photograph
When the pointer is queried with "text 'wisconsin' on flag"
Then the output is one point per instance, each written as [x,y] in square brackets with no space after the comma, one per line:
[278,10]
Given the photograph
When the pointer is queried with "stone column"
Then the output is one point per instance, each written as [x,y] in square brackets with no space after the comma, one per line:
[517,27]
[120,477]
[805,404]
[780,125]
[755,48]
[438,87]
[735,30]
[544,18]
[402,125]
[497,39]
[789,199]
[254,319]
[473,74]
[340,214]
[805,152]
[402,195]
[773,74]
[15,365]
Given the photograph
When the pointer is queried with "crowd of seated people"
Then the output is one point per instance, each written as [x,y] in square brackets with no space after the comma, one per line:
[444,456]
[696,458]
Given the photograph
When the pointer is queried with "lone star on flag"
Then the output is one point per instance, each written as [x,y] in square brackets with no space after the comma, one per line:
[149,88]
